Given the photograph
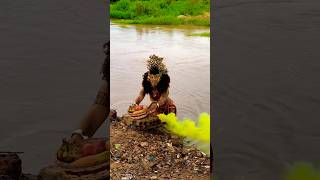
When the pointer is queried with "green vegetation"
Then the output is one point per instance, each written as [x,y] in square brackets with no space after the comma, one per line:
[204,34]
[166,12]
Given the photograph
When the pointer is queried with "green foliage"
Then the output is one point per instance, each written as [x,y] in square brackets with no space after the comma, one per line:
[161,11]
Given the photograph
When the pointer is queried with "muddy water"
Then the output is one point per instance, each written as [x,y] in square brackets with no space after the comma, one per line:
[266,87]
[187,59]
[51,55]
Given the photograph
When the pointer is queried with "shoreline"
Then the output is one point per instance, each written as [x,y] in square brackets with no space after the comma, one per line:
[155,21]
[153,154]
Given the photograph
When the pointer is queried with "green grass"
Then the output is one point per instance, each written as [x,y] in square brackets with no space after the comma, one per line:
[164,12]
[204,34]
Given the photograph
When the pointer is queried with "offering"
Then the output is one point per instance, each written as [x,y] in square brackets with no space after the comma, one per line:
[139,118]
[137,111]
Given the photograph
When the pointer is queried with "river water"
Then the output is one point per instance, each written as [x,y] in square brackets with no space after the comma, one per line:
[51,55]
[266,87]
[187,59]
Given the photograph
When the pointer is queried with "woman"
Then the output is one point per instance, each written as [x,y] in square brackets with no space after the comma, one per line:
[99,110]
[156,83]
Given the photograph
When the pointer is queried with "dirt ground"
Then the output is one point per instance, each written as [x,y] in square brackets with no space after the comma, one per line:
[153,154]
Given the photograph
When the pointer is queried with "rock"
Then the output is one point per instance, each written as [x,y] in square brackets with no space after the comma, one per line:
[153,177]
[130,160]
[177,141]
[112,115]
[199,154]
[124,156]
[144,144]
[127,176]
[170,147]
[196,169]
[148,164]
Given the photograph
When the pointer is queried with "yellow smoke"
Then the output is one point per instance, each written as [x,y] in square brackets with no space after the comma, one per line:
[199,133]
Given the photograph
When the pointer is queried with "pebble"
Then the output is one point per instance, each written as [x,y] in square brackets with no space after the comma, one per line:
[153,177]
[144,144]
[127,177]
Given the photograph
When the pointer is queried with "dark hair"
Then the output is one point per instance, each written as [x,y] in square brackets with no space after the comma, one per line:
[162,86]
[106,64]
[154,70]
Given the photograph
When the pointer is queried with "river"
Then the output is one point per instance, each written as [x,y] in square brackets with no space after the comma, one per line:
[187,59]
[266,87]
[51,55]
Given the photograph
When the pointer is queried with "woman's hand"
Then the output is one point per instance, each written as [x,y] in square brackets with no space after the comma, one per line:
[75,138]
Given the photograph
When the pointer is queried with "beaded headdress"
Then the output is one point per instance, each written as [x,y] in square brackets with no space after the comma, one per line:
[155,61]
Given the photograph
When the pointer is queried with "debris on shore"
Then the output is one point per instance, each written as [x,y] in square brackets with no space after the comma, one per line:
[153,154]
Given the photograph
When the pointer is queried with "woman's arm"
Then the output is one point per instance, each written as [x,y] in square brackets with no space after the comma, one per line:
[97,113]
[140,97]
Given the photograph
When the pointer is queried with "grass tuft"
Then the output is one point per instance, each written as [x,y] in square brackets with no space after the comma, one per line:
[204,34]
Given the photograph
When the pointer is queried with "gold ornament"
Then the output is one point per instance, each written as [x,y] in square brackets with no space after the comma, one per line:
[155,61]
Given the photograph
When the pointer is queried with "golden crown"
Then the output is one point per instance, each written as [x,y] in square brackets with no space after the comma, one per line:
[155,61]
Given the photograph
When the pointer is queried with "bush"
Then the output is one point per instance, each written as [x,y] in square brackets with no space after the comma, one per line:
[122,5]
[121,14]
[160,11]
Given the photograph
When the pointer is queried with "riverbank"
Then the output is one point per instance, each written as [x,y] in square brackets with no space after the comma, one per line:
[153,155]
[204,34]
[161,12]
